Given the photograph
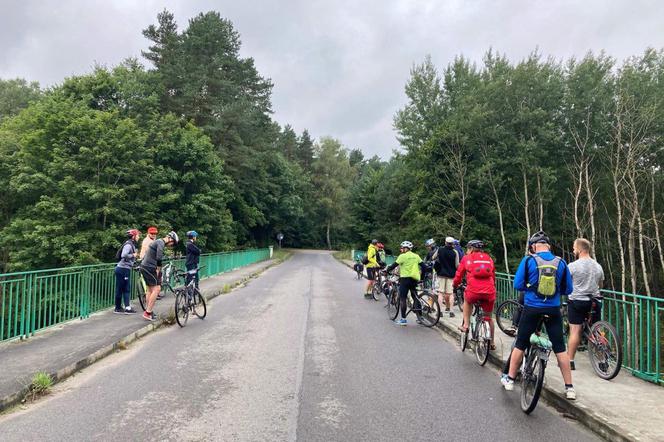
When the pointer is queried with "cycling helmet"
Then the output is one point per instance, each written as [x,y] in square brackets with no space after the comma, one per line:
[407,245]
[192,234]
[430,242]
[380,246]
[132,232]
[449,240]
[174,236]
[152,230]
[475,244]
[539,237]
[374,241]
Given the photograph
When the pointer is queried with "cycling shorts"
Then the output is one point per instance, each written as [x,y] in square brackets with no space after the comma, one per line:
[150,276]
[528,325]
[371,273]
[577,311]
[485,301]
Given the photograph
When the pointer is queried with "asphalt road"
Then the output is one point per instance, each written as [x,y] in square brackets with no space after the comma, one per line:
[296,354]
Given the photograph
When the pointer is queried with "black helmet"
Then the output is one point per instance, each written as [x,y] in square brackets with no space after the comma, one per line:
[174,236]
[539,237]
[475,244]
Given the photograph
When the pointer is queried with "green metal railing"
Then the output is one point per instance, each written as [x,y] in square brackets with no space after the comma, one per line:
[32,301]
[357,254]
[638,319]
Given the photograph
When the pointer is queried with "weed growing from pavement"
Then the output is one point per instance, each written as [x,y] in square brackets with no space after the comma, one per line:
[39,386]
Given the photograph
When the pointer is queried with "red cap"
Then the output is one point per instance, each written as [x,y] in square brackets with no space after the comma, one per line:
[152,229]
[380,245]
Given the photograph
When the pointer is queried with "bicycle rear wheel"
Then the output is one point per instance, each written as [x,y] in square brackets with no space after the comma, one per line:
[531,383]
[483,342]
[506,314]
[181,308]
[430,309]
[393,304]
[199,307]
[605,350]
[140,292]
[463,340]
[376,291]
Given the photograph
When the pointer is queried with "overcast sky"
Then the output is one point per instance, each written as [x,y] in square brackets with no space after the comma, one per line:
[339,67]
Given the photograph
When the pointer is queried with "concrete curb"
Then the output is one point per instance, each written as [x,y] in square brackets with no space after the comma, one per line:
[584,415]
[58,376]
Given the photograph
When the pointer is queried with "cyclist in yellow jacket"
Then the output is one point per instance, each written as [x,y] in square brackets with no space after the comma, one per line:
[371,266]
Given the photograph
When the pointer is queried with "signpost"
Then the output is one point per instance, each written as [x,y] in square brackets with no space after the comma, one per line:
[280,236]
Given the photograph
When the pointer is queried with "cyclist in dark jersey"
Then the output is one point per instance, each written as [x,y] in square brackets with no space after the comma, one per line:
[193,256]
[151,270]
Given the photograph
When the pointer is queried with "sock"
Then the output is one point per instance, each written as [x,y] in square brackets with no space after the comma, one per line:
[510,378]
[569,386]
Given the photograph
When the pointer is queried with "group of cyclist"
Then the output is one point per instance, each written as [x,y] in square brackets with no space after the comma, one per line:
[151,258]
[542,278]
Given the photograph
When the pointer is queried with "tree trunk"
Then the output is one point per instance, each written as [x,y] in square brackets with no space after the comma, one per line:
[526,204]
[541,203]
[656,224]
[591,210]
[500,221]
[577,197]
[329,244]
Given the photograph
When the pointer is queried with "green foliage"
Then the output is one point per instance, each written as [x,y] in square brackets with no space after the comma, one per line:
[40,385]
[16,95]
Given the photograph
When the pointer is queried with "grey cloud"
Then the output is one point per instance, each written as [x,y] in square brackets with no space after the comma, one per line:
[339,67]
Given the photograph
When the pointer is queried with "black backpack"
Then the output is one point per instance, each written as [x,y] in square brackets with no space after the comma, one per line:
[365,259]
[118,254]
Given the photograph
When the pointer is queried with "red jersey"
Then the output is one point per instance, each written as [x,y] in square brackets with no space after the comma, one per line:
[480,273]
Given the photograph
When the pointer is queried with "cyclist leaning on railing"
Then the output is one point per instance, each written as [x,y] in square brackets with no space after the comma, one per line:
[127,258]
[480,273]
[542,298]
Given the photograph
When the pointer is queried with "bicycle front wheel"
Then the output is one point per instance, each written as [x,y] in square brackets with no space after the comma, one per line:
[376,291]
[430,309]
[393,304]
[140,292]
[531,383]
[181,308]
[483,342]
[507,315]
[199,308]
[605,350]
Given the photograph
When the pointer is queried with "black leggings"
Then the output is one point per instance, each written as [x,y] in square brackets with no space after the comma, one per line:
[406,284]
[528,325]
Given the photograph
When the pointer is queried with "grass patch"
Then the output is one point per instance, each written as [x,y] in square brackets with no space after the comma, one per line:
[281,255]
[39,386]
[342,254]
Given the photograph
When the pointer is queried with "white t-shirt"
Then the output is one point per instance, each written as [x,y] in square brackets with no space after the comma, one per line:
[587,276]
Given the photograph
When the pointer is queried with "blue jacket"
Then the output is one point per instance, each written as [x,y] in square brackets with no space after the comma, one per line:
[564,283]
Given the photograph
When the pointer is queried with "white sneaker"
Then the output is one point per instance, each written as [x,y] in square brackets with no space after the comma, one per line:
[570,393]
[507,382]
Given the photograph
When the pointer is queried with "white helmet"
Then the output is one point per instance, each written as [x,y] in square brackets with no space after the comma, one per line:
[407,244]
[449,240]
[430,242]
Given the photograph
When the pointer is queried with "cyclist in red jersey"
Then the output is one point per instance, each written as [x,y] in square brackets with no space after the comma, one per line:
[480,272]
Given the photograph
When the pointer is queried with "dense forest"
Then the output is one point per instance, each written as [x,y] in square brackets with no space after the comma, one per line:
[494,151]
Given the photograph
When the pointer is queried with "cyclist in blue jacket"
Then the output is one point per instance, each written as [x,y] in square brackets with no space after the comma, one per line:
[543,277]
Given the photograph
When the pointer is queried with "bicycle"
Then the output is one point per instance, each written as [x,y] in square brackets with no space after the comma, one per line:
[602,342]
[429,312]
[602,339]
[141,287]
[188,298]
[359,268]
[376,288]
[535,359]
[480,334]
